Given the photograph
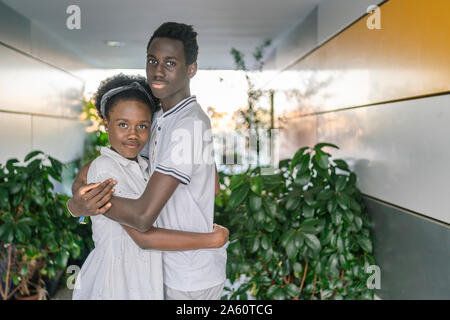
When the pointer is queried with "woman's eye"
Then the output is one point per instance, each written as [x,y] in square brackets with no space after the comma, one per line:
[143,126]
[123,125]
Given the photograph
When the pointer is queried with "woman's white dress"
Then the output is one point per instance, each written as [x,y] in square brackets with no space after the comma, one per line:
[117,268]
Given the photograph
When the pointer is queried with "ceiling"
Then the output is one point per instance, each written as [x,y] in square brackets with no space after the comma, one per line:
[221,25]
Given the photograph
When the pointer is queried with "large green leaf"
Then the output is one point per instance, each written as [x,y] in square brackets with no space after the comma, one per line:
[238,195]
[3,196]
[291,290]
[265,242]
[309,198]
[354,205]
[286,236]
[365,243]
[297,268]
[236,181]
[312,241]
[341,182]
[321,159]
[307,211]
[271,181]
[291,249]
[319,146]
[32,154]
[256,185]
[255,202]
[15,188]
[341,164]
[259,216]
[7,232]
[56,164]
[325,194]
[293,201]
[340,244]
[10,164]
[271,291]
[336,217]
[270,207]
[297,156]
[331,205]
[298,238]
[302,179]
[358,223]
[269,226]
[343,201]
[255,245]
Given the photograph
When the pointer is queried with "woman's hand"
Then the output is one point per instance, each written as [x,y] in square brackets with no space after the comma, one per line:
[221,234]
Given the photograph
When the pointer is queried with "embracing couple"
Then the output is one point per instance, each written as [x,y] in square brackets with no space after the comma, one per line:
[150,194]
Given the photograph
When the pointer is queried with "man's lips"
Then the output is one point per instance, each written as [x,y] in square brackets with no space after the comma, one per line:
[158,84]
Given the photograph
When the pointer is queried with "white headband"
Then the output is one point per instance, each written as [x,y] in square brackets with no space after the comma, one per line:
[134,85]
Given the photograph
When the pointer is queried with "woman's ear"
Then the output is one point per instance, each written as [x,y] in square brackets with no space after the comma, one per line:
[192,69]
[106,124]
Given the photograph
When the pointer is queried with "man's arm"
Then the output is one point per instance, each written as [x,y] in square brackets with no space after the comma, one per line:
[165,239]
[141,213]
[90,199]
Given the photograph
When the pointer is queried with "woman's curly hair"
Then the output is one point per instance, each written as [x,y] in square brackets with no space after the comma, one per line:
[123,80]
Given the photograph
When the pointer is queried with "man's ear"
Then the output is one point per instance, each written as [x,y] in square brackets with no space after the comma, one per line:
[192,69]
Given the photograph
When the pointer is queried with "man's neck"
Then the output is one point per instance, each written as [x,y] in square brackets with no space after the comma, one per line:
[172,101]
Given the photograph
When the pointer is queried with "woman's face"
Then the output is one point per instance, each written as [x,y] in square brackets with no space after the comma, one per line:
[128,127]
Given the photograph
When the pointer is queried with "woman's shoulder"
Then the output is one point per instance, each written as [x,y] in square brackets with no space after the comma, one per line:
[101,166]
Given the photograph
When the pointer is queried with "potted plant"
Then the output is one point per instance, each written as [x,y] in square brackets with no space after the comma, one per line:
[37,233]
[301,233]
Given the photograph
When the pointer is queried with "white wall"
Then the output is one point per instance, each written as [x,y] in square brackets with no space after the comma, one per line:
[40,98]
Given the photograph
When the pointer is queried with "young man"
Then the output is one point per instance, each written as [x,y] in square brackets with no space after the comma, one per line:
[182,183]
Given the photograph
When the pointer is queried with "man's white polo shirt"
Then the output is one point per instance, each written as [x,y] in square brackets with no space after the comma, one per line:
[180,145]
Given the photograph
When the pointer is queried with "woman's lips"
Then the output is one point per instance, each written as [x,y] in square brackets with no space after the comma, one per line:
[131,145]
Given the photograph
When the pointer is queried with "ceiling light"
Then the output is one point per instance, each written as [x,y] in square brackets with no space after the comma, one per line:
[112,43]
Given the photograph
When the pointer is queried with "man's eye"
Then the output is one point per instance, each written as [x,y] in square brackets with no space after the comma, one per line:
[123,125]
[151,61]
[171,64]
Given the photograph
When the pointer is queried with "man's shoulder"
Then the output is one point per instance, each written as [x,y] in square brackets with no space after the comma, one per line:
[192,114]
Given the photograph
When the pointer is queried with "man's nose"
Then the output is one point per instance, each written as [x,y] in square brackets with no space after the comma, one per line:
[159,71]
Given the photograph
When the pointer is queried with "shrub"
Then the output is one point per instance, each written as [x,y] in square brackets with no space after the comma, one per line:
[301,233]
[37,233]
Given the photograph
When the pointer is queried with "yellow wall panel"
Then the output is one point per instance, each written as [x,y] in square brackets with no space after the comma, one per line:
[408,57]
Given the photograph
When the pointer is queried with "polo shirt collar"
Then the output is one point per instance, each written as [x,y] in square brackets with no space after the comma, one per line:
[107,151]
[179,106]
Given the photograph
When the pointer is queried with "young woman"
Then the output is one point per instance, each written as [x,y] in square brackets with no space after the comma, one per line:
[125,263]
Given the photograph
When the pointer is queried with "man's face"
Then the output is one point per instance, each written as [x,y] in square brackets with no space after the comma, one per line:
[167,72]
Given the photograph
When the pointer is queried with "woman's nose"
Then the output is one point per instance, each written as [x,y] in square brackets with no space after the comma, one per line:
[132,132]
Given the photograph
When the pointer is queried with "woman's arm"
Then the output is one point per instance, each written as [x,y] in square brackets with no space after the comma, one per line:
[217,183]
[168,240]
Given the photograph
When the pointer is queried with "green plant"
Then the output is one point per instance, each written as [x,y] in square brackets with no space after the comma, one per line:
[96,138]
[37,233]
[253,117]
[302,233]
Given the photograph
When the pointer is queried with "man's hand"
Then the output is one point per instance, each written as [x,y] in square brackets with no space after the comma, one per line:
[92,199]
[222,234]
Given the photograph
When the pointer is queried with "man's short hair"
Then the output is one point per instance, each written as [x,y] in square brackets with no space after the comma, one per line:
[179,31]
